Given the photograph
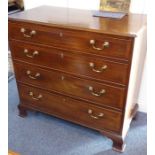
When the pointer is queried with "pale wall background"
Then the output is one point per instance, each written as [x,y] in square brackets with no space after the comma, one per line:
[137,6]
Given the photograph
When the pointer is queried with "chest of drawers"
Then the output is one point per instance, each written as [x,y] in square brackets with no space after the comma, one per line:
[80,68]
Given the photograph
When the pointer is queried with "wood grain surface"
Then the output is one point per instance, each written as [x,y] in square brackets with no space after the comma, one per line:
[80,68]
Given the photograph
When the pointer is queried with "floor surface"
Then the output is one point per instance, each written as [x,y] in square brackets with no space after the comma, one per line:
[40,134]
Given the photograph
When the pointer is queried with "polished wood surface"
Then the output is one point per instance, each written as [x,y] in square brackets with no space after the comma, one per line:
[69,85]
[73,40]
[71,62]
[71,109]
[72,65]
[82,20]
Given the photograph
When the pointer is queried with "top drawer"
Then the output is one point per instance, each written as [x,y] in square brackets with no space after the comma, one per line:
[89,42]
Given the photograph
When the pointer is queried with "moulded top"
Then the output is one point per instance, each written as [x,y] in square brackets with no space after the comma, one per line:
[129,25]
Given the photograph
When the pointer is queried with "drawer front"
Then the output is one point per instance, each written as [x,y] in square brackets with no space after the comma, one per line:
[98,93]
[89,42]
[74,63]
[71,109]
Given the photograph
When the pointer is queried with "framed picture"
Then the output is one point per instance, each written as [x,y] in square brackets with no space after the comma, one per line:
[115,5]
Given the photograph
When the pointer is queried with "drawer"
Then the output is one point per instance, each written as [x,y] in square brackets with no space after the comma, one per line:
[89,42]
[67,108]
[71,62]
[99,93]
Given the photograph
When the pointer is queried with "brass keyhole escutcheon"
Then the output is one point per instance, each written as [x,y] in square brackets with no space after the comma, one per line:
[64,100]
[62,77]
[62,55]
[61,34]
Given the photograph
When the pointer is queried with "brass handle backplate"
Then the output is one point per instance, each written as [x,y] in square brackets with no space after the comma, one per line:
[34,77]
[29,35]
[35,53]
[104,45]
[91,89]
[33,97]
[95,116]
[92,65]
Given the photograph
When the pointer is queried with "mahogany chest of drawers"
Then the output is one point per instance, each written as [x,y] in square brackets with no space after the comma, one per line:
[80,68]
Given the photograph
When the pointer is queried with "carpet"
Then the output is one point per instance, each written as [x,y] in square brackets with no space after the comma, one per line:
[10,67]
[40,134]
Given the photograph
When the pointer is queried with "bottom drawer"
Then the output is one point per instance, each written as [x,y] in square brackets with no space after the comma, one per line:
[70,109]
